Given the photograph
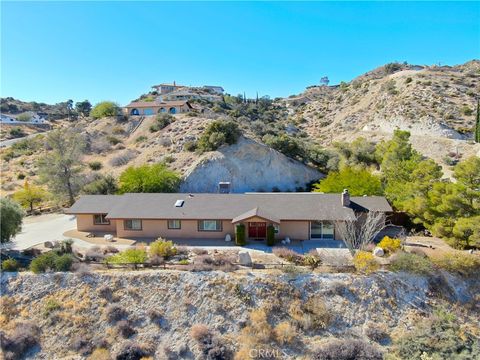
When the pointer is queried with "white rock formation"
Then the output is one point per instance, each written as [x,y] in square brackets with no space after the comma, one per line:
[248,166]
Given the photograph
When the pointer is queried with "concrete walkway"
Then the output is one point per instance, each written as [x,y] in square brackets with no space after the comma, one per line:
[39,229]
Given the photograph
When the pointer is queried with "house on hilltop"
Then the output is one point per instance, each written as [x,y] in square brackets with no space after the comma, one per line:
[189,94]
[299,216]
[167,88]
[216,89]
[157,107]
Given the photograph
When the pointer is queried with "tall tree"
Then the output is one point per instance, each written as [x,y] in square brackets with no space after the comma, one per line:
[359,182]
[60,167]
[11,219]
[83,108]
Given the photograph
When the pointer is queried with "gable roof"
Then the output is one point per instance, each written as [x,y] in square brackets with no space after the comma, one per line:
[256,212]
[273,206]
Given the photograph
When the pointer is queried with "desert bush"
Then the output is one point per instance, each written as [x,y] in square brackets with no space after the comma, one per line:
[217,133]
[100,354]
[95,165]
[82,345]
[190,146]
[285,333]
[132,351]
[240,238]
[128,256]
[201,333]
[439,336]
[365,262]
[411,263]
[390,245]
[23,338]
[105,292]
[141,138]
[163,120]
[183,262]
[259,327]
[51,261]
[122,159]
[458,262]
[155,316]
[288,254]
[95,253]
[163,248]
[115,313]
[113,140]
[209,343]
[346,349]
[311,314]
[312,259]
[125,329]
[10,265]
[375,332]
[51,305]
[198,251]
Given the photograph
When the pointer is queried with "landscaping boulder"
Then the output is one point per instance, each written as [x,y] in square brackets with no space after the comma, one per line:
[378,251]
[244,258]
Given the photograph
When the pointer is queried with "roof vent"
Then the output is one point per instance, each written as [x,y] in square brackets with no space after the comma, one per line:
[179,203]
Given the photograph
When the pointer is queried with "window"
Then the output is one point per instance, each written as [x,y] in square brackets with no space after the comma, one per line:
[321,230]
[174,224]
[132,224]
[99,219]
[209,225]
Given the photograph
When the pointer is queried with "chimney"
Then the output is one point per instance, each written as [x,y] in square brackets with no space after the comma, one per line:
[345,198]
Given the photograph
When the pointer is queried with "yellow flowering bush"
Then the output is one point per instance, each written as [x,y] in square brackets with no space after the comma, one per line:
[390,245]
[365,262]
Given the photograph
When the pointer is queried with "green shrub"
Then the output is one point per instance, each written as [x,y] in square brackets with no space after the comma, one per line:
[50,306]
[16,132]
[240,239]
[467,111]
[270,235]
[51,261]
[439,336]
[104,109]
[95,165]
[113,140]
[217,133]
[183,262]
[10,265]
[163,120]
[408,80]
[163,248]
[190,146]
[129,256]
[140,139]
[312,259]
[63,262]
[411,263]
[459,262]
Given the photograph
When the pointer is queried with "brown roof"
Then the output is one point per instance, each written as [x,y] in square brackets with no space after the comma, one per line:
[278,206]
[140,104]
[256,212]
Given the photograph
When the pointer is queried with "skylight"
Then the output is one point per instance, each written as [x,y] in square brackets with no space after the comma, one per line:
[179,203]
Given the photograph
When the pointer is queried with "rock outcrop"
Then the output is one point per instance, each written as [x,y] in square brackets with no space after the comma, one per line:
[248,166]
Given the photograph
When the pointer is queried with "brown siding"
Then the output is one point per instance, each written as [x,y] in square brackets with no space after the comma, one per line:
[295,230]
[85,223]
[189,230]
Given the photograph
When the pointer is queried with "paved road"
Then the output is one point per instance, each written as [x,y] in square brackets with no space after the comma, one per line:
[49,227]
[7,143]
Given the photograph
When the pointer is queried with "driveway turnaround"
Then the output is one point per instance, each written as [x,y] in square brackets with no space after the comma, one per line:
[38,229]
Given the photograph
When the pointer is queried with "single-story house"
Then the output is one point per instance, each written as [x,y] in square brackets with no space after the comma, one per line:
[156,107]
[299,216]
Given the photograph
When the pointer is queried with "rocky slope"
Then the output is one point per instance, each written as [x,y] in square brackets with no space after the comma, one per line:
[248,166]
[74,310]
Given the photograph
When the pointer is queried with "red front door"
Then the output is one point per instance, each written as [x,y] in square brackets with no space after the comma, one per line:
[257,230]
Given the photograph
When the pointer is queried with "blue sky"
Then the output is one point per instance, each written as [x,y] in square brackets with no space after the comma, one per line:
[55,51]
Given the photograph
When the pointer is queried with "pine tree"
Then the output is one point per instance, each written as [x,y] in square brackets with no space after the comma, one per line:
[477,124]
